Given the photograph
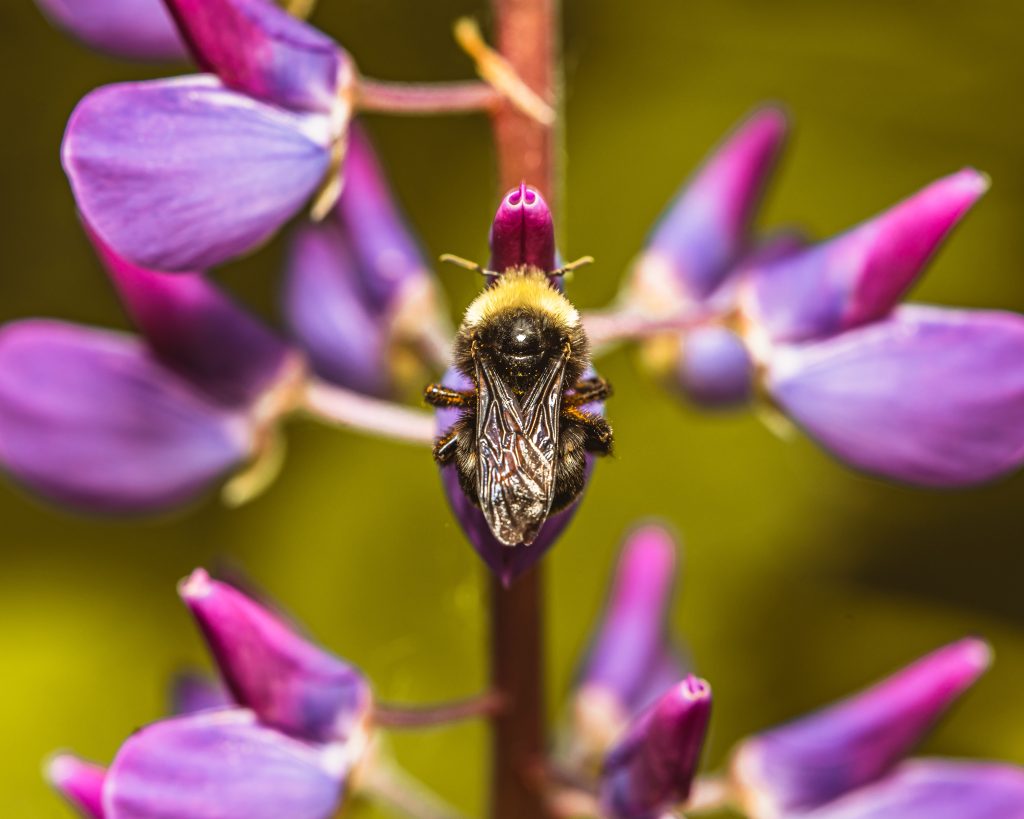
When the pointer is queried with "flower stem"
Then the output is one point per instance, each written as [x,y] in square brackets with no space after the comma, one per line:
[526,32]
[392,786]
[426,98]
[341,407]
[404,716]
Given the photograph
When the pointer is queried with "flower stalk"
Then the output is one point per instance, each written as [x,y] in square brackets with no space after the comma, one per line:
[526,34]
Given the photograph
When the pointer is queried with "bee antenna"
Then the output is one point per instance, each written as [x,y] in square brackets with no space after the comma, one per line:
[466,264]
[583,261]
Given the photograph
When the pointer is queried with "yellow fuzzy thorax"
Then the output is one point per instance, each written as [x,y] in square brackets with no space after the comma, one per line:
[522,287]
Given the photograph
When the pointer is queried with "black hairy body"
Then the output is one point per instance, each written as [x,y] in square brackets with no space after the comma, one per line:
[525,351]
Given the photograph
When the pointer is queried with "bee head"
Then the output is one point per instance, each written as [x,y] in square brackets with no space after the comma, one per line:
[521,340]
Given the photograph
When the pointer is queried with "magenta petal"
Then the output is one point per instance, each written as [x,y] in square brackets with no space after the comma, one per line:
[198,331]
[138,29]
[89,419]
[859,276]
[705,230]
[936,789]
[80,783]
[222,765]
[256,47]
[930,396]
[632,641]
[192,692]
[289,682]
[652,768]
[523,231]
[817,758]
[184,174]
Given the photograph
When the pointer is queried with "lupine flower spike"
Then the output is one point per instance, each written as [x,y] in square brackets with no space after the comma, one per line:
[847,760]
[519,414]
[187,173]
[137,29]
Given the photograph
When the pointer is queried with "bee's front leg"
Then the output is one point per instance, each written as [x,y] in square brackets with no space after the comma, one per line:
[438,395]
[445,448]
[587,391]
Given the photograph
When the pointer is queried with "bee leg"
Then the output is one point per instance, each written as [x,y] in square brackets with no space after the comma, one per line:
[587,391]
[439,396]
[597,432]
[445,448]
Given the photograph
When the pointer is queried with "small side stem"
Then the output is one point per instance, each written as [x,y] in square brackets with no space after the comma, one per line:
[403,716]
[392,786]
[426,98]
[345,408]
[709,793]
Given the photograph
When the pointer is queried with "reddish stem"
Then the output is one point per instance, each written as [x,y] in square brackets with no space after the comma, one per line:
[427,716]
[426,98]
[526,33]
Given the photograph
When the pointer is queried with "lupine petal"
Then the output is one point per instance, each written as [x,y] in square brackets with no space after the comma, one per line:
[289,682]
[138,29]
[184,174]
[192,693]
[523,232]
[860,275]
[80,783]
[715,368]
[936,789]
[88,418]
[329,313]
[705,230]
[198,331]
[222,765]
[817,758]
[256,47]
[632,639]
[929,396]
[653,766]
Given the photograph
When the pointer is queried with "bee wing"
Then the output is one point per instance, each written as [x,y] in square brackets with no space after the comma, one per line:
[517,445]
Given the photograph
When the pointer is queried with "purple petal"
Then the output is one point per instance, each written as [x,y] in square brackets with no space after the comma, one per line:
[197,331]
[138,29]
[705,230]
[930,396]
[289,682]
[192,693]
[355,284]
[859,276]
[715,368]
[89,419]
[80,783]
[632,639]
[523,231]
[184,174]
[653,766]
[936,789]
[222,765]
[329,313]
[256,47]
[817,758]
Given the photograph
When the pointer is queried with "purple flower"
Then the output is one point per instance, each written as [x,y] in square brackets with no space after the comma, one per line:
[283,744]
[359,295]
[522,234]
[111,423]
[138,29]
[268,666]
[818,758]
[936,789]
[651,769]
[188,173]
[632,660]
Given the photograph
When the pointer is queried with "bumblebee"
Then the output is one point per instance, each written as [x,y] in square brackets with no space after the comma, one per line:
[520,442]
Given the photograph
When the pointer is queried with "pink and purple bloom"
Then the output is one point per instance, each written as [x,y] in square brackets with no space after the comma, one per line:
[188,173]
[296,725]
[927,395]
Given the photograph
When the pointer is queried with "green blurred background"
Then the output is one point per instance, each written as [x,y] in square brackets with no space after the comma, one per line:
[801,580]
